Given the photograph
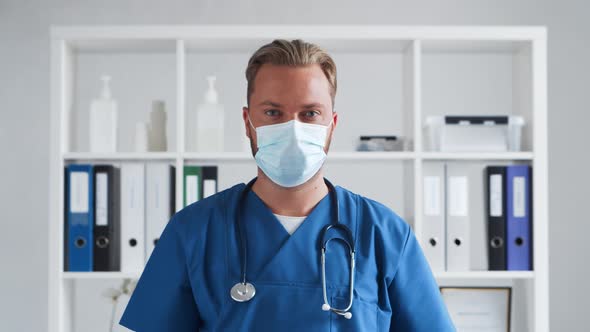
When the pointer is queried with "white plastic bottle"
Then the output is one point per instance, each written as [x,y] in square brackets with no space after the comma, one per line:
[141,137]
[210,121]
[103,120]
[157,127]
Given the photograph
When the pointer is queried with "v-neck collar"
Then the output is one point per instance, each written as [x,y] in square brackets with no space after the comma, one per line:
[271,216]
[272,251]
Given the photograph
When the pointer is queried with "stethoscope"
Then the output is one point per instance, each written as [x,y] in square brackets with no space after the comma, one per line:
[244,291]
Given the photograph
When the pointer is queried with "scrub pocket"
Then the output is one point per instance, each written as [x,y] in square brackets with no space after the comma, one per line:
[364,315]
[277,306]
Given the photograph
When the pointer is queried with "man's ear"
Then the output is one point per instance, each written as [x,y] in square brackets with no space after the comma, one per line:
[334,121]
[245,111]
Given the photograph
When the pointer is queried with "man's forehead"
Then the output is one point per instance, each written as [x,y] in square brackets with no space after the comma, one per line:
[302,87]
[270,72]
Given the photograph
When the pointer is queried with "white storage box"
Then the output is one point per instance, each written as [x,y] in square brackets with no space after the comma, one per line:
[380,143]
[456,133]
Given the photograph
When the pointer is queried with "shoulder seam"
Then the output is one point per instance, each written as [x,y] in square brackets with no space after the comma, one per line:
[402,254]
[182,248]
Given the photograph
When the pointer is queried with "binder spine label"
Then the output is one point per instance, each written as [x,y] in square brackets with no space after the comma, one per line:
[457,196]
[518,198]
[79,192]
[496,195]
[432,199]
[208,187]
[192,189]
[102,204]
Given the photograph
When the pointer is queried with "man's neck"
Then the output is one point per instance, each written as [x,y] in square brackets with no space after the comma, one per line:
[296,201]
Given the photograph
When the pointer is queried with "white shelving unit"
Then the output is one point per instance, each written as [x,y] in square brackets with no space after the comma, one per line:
[414,71]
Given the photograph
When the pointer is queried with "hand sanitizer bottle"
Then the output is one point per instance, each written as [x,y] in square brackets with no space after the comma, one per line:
[157,127]
[210,121]
[103,121]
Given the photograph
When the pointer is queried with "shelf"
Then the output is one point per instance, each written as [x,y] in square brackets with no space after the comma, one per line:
[120,156]
[477,155]
[473,46]
[372,155]
[101,275]
[439,275]
[333,156]
[352,44]
[485,275]
[110,46]
[225,36]
[218,156]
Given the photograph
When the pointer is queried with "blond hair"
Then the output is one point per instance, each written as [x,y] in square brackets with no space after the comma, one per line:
[291,53]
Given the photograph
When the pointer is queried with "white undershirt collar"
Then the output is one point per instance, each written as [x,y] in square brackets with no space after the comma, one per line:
[289,222]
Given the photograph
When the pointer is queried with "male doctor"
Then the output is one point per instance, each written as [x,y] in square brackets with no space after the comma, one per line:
[251,257]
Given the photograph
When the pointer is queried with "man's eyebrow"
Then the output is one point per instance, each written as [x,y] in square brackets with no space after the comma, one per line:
[306,106]
[314,105]
[270,103]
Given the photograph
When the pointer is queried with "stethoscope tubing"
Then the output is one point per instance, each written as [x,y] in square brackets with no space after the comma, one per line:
[323,243]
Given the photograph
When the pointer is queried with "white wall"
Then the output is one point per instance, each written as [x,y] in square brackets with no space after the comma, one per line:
[24,120]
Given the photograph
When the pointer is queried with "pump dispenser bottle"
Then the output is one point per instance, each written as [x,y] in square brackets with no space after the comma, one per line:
[210,121]
[103,120]
[157,127]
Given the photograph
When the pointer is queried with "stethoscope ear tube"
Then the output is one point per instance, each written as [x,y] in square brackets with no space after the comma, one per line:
[243,291]
[324,245]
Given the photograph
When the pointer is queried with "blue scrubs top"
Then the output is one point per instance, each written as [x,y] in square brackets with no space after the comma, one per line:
[186,283]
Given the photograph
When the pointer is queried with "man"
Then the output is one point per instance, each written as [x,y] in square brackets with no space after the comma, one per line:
[248,258]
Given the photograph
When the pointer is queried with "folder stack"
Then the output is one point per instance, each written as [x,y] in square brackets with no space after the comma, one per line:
[114,214]
[477,217]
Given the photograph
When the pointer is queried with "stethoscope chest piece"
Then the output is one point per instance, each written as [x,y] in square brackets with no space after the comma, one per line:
[242,292]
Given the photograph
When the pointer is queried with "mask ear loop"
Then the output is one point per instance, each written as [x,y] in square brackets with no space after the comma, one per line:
[331,123]
[250,121]
[332,120]
[328,128]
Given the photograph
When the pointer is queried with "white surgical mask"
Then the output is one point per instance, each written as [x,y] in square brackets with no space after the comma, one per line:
[292,152]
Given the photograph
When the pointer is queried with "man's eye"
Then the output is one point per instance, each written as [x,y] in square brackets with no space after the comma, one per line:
[310,114]
[272,112]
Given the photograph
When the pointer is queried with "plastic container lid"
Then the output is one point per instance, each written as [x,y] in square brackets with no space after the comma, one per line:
[106,88]
[211,94]
[516,120]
